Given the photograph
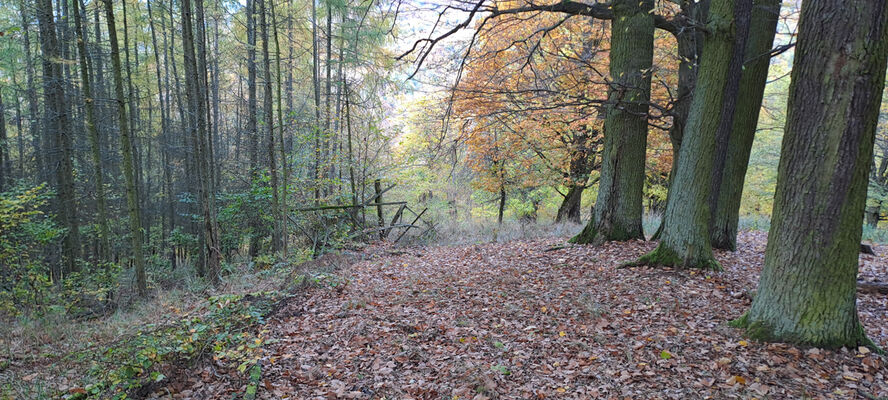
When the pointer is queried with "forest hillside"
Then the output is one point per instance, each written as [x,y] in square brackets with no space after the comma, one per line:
[479,199]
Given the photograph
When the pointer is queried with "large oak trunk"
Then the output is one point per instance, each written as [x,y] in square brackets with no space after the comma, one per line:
[618,209]
[685,237]
[807,292]
[763,26]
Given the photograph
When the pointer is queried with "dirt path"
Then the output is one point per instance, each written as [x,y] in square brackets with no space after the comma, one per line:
[513,321]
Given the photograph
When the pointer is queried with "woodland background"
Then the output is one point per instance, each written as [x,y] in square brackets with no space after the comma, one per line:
[161,161]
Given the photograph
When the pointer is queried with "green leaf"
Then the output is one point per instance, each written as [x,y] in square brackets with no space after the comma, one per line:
[665,355]
[501,369]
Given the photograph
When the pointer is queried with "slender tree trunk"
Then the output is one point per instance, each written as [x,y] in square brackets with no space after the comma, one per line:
[685,238]
[252,125]
[269,129]
[502,204]
[163,98]
[807,292]
[104,251]
[196,90]
[351,165]
[19,128]
[618,210]
[126,148]
[763,26]
[316,83]
[5,164]
[377,187]
[31,94]
[59,128]
[328,141]
[285,169]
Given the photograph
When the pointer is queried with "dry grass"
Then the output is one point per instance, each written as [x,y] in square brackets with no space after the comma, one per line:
[486,231]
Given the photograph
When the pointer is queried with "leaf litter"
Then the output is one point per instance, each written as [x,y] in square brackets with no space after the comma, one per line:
[514,321]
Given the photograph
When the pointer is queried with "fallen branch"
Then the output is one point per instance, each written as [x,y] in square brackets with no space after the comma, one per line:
[872,287]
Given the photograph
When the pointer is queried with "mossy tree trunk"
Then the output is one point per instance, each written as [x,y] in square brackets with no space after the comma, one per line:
[685,237]
[569,210]
[618,209]
[104,252]
[807,292]
[5,164]
[763,26]
[58,128]
[577,179]
[252,124]
[268,120]
[689,41]
[126,148]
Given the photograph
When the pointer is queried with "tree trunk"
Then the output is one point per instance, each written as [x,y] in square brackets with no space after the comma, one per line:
[126,148]
[59,128]
[685,236]
[252,125]
[690,48]
[872,215]
[268,104]
[283,209]
[807,291]
[5,164]
[195,71]
[316,84]
[377,187]
[33,108]
[618,209]
[502,204]
[104,251]
[569,210]
[763,26]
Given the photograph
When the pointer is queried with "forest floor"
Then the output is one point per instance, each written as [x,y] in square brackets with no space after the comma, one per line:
[513,320]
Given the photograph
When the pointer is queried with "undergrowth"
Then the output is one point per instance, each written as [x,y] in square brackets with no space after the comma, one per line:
[126,354]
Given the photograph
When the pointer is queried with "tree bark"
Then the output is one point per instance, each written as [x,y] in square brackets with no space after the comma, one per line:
[31,93]
[59,128]
[104,251]
[252,125]
[569,210]
[195,70]
[690,48]
[316,84]
[377,187]
[685,237]
[618,209]
[726,211]
[807,291]
[284,210]
[268,104]
[578,177]
[5,164]
[126,148]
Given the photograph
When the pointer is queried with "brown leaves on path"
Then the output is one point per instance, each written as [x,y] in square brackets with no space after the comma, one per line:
[508,321]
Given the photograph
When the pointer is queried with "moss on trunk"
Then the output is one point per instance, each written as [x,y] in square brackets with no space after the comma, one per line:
[618,210]
[808,289]
[685,236]
[763,26]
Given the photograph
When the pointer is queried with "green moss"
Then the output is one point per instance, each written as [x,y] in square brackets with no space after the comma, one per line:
[762,331]
[755,330]
[664,256]
[591,234]
[587,235]
[659,256]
